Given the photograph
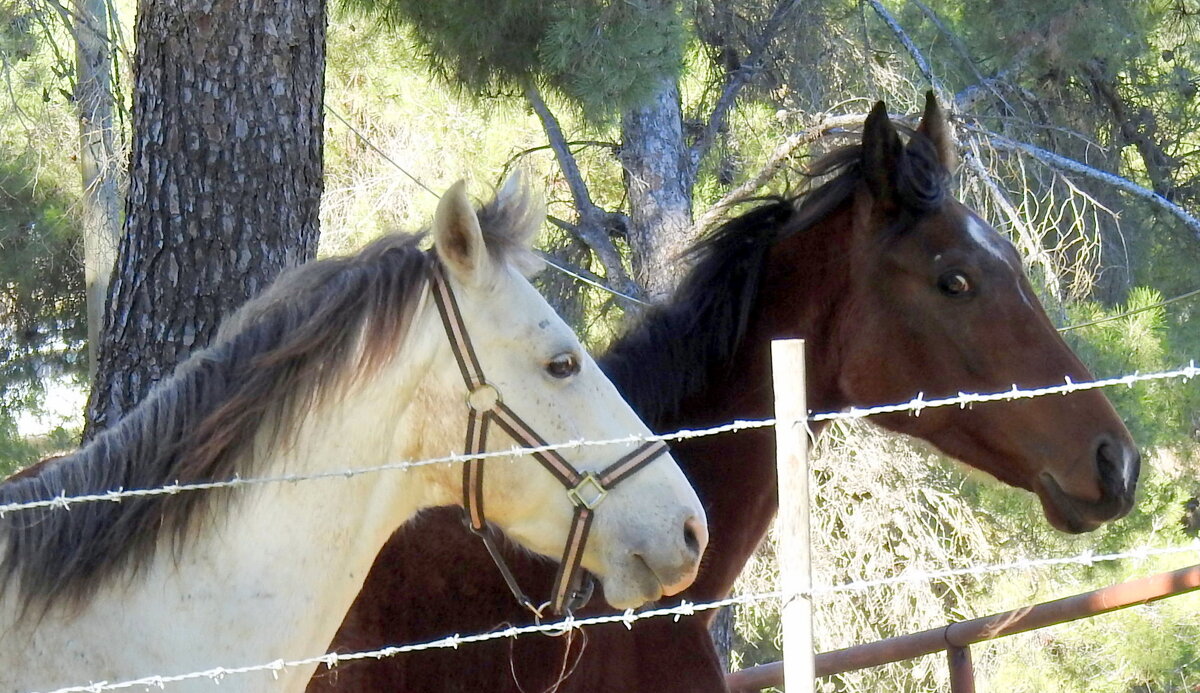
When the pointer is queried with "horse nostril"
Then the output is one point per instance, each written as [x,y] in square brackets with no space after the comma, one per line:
[695,535]
[1117,474]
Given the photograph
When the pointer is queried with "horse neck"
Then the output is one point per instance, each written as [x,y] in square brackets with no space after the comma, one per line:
[271,573]
[800,296]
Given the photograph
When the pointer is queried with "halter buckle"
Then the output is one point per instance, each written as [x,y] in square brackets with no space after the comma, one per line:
[588,493]
[483,398]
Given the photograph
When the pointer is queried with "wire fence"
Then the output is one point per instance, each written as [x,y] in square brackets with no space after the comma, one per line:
[914,407]
[627,618]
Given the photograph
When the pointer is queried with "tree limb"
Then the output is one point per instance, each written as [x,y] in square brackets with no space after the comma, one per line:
[566,160]
[594,222]
[776,161]
[734,83]
[530,150]
[918,58]
[1160,166]
[965,100]
[1069,165]
[1032,247]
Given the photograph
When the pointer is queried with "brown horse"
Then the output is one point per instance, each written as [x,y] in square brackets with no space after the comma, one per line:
[899,289]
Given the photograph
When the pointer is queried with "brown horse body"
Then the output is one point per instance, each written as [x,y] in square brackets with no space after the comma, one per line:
[899,289]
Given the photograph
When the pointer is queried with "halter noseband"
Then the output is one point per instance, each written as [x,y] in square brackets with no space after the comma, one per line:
[585,490]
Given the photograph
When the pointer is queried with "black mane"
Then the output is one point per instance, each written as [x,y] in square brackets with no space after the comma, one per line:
[679,347]
[675,347]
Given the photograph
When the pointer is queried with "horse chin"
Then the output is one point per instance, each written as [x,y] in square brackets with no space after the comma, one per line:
[1070,515]
[632,586]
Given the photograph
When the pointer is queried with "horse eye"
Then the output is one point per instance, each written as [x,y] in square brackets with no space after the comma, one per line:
[563,366]
[954,284]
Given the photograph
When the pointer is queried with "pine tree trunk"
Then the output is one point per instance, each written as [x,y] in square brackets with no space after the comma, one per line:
[225,179]
[97,161]
[655,158]
[659,185]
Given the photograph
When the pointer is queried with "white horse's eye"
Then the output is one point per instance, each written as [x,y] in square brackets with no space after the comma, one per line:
[564,365]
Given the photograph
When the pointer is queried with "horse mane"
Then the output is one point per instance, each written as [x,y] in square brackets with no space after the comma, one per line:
[308,336]
[686,342]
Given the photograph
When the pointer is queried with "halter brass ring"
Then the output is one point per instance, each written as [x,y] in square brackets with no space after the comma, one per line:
[483,398]
[588,492]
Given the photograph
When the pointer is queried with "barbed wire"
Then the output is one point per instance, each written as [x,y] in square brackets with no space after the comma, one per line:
[914,406]
[628,618]
[965,399]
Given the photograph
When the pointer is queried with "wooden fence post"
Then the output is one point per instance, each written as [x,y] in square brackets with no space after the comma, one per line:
[795,557]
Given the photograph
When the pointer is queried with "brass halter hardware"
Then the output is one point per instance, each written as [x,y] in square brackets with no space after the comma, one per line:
[485,405]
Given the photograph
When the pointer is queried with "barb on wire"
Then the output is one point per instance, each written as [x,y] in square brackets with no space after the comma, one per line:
[628,618]
[914,406]
[965,399]
[1087,559]
[331,659]
[116,495]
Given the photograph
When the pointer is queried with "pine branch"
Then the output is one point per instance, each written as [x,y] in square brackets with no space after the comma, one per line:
[955,41]
[512,160]
[734,83]
[1069,165]
[913,51]
[775,162]
[594,222]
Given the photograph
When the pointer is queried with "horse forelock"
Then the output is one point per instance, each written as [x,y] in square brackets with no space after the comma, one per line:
[508,223]
[309,335]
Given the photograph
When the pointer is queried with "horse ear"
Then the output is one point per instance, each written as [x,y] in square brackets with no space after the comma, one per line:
[457,237]
[936,128]
[881,154]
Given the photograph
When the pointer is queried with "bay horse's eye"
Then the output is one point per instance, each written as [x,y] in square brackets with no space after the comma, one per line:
[564,365]
[954,284]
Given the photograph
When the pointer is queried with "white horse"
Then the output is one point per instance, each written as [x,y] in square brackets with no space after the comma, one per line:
[342,363]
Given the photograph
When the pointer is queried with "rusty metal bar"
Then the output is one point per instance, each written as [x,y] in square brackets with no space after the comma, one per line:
[962,670]
[964,633]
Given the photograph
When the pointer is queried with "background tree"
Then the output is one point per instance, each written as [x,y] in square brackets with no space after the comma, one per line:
[100,150]
[42,319]
[225,179]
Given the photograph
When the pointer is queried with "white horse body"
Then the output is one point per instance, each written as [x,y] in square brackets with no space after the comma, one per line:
[288,560]
[271,575]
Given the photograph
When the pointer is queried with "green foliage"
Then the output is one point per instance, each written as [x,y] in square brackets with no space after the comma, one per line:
[41,292]
[1154,411]
[1068,32]
[601,56]
[15,451]
[42,323]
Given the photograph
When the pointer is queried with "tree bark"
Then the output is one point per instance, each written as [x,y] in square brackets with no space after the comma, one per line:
[659,183]
[97,161]
[225,179]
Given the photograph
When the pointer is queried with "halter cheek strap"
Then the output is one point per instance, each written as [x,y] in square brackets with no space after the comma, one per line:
[586,491]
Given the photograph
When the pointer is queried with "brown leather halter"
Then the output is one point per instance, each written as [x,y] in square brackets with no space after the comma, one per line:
[585,490]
